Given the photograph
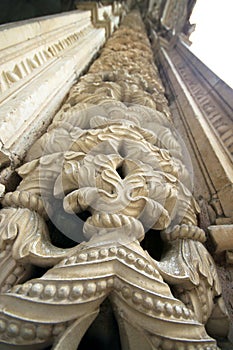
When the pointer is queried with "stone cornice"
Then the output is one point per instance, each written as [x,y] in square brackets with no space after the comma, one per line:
[200,108]
[29,46]
[212,95]
[40,60]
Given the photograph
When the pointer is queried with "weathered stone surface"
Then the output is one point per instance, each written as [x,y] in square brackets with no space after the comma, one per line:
[4,160]
[202,108]
[222,236]
[208,149]
[2,190]
[40,60]
[111,156]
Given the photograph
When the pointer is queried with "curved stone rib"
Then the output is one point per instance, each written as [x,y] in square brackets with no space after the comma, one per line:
[159,333]
[27,234]
[190,269]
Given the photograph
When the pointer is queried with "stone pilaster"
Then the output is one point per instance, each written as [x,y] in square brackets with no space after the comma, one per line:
[201,104]
[206,119]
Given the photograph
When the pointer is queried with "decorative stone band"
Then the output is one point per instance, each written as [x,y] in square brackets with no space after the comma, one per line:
[184,232]
[45,58]
[58,305]
[213,96]
[35,45]
[39,59]
[206,116]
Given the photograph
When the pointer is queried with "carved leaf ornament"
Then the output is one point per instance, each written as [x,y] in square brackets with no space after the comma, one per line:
[108,155]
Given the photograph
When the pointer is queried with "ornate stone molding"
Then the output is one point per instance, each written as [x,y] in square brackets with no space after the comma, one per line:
[193,91]
[112,157]
[41,59]
[206,94]
[40,47]
[103,17]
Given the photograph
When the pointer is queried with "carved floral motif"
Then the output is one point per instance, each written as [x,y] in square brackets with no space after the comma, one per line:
[124,164]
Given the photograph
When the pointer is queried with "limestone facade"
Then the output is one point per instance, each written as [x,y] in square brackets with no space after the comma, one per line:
[109,172]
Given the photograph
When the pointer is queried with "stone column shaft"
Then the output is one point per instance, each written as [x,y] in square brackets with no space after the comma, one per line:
[111,161]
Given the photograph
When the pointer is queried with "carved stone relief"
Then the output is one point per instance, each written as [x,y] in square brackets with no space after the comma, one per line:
[29,46]
[219,120]
[112,154]
[192,95]
[40,60]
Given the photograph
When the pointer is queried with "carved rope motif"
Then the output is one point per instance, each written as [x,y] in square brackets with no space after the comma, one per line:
[109,154]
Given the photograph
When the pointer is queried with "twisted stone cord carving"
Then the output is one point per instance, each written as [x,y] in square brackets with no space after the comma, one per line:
[108,154]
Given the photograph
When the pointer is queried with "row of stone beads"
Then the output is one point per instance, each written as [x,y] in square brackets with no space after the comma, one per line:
[120,252]
[64,292]
[153,303]
[167,344]
[20,331]
[185,297]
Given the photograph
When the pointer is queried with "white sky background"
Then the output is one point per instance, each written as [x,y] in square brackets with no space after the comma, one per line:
[212,40]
